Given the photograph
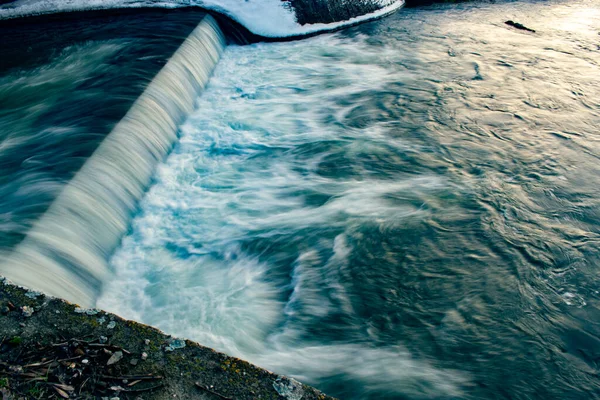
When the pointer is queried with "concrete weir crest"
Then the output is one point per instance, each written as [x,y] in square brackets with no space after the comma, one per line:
[66,252]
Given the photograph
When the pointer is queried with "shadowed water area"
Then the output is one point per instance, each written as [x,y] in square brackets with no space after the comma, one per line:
[65,81]
[406,209]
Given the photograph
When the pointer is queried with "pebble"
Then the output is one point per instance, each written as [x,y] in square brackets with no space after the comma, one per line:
[134,361]
[111,325]
[88,311]
[115,358]
[146,342]
[103,339]
[175,344]
[144,355]
[27,311]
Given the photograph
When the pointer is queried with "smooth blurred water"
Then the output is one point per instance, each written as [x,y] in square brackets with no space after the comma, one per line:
[408,209]
[64,83]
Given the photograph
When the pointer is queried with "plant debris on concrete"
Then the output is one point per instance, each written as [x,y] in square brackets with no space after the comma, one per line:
[51,349]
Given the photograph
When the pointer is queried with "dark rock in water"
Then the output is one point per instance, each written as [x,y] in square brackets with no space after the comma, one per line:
[328,11]
[519,26]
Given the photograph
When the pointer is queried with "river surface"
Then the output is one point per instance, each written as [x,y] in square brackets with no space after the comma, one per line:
[407,209]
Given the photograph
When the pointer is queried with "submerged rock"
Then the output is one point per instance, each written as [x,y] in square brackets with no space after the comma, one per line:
[518,26]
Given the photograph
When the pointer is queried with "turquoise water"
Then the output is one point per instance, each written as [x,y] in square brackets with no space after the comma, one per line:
[408,209]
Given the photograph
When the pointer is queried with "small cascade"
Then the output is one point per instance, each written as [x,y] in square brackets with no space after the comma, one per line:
[65,253]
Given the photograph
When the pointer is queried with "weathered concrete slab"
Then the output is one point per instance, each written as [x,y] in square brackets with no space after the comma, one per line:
[113,353]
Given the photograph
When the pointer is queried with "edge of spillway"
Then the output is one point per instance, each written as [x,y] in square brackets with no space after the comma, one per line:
[65,254]
[37,328]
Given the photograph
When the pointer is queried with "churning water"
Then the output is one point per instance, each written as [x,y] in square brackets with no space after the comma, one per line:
[407,209]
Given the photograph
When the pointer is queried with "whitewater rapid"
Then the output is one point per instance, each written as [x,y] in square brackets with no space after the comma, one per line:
[268,18]
[408,209]
[246,176]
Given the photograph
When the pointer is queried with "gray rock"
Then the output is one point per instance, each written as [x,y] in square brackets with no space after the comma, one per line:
[115,358]
[27,311]
[288,388]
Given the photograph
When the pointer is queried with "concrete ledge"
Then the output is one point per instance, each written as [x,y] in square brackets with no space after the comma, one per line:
[34,328]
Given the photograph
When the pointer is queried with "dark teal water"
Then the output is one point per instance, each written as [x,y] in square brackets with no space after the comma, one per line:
[65,81]
[407,209]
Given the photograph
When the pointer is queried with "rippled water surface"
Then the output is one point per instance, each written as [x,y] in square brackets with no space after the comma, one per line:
[408,209]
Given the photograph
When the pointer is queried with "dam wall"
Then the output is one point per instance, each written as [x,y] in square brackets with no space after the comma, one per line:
[66,252]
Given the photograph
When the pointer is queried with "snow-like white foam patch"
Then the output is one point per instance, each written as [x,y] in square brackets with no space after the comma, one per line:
[269,18]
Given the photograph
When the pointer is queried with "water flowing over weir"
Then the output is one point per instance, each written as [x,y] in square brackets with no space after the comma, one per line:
[65,253]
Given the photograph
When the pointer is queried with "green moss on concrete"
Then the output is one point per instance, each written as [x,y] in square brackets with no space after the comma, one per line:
[183,369]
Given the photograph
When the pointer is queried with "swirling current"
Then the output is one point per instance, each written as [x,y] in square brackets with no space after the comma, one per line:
[406,209]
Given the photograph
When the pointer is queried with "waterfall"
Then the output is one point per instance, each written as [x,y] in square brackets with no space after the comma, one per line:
[65,254]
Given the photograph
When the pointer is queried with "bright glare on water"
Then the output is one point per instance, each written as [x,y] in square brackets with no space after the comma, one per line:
[408,209]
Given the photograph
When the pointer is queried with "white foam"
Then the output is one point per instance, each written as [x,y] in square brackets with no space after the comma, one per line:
[247,160]
[269,18]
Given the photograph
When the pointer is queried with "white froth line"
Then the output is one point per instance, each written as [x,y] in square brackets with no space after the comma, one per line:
[267,18]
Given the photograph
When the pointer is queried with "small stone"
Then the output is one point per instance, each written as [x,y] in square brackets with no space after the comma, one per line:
[146,342]
[57,311]
[134,361]
[103,339]
[101,320]
[17,369]
[33,295]
[144,355]
[175,344]
[111,325]
[87,311]
[288,388]
[27,311]
[115,358]
[85,361]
